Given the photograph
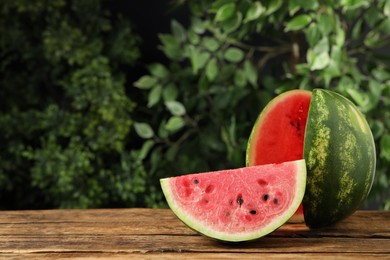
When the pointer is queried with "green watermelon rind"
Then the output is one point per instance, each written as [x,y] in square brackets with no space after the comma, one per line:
[278,221]
[340,155]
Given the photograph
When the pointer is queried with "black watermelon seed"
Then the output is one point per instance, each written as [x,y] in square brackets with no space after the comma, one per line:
[265,197]
[196,181]
[253,212]
[240,200]
[275,201]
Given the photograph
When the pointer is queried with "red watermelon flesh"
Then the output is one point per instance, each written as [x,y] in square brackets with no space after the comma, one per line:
[240,204]
[278,134]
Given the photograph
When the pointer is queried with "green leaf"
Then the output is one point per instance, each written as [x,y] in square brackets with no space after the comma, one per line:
[233,23]
[345,83]
[174,123]
[170,92]
[313,34]
[154,96]
[354,4]
[297,23]
[386,8]
[325,23]
[357,29]
[233,54]
[225,12]
[296,5]
[158,70]
[145,149]
[212,69]
[175,107]
[381,74]
[178,31]
[250,73]
[172,152]
[210,44]
[373,39]
[360,99]
[198,59]
[145,82]
[193,37]
[340,37]
[385,147]
[144,130]
[273,6]
[198,25]
[321,46]
[239,78]
[254,12]
[377,128]
[320,61]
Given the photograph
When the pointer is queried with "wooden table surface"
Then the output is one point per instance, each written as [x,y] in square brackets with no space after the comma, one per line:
[157,233]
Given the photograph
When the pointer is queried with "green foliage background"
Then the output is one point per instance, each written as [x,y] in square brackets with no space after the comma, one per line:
[75,133]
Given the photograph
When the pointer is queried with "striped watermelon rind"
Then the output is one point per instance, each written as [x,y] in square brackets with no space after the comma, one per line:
[340,155]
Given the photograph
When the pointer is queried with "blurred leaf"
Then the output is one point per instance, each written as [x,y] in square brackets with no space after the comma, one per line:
[320,61]
[175,107]
[145,82]
[212,69]
[377,128]
[360,99]
[296,5]
[146,147]
[174,124]
[172,152]
[158,70]
[250,73]
[225,12]
[313,34]
[325,23]
[386,8]
[234,54]
[385,147]
[198,59]
[144,130]
[198,25]
[232,23]
[357,29]
[178,31]
[354,4]
[193,37]
[210,43]
[170,92]
[373,39]
[254,12]
[297,23]
[273,6]
[154,96]
[321,46]
[239,78]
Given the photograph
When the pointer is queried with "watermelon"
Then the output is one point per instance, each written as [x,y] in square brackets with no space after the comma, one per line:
[278,134]
[332,135]
[237,204]
[340,152]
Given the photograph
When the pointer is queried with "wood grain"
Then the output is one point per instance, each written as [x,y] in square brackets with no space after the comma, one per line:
[157,233]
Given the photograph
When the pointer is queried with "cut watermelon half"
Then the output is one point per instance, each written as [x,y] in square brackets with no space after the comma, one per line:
[239,204]
[279,131]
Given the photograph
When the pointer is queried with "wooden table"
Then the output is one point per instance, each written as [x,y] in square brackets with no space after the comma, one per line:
[157,233]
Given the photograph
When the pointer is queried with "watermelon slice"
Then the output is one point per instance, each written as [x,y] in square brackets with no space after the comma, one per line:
[239,204]
[278,134]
